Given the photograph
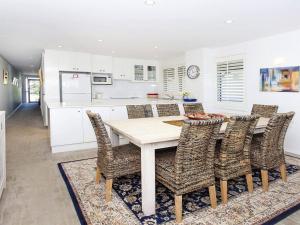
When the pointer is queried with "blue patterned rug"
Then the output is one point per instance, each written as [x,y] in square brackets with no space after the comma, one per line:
[129,190]
[125,208]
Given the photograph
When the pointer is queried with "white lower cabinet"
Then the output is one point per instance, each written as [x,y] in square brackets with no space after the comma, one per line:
[71,129]
[88,131]
[118,113]
[106,113]
[66,126]
[2,153]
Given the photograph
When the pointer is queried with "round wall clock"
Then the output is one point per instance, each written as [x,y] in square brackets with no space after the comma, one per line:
[193,71]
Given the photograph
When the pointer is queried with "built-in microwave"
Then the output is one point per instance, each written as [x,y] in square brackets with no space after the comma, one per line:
[102,78]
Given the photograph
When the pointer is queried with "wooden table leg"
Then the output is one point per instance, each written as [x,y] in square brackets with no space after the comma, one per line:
[148,179]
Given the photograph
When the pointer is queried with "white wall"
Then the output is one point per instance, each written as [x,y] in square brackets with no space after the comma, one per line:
[279,50]
[124,88]
[10,95]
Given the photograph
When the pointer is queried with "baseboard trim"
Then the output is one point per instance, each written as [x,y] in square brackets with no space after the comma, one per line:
[293,155]
[13,112]
[74,147]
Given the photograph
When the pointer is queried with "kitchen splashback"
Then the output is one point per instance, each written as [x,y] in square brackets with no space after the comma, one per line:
[123,88]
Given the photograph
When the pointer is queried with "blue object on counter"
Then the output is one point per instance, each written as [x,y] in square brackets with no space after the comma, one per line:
[189,99]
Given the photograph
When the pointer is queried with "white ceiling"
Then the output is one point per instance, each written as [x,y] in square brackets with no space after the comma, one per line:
[130,28]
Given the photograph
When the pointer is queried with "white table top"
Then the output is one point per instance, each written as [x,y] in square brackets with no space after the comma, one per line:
[153,130]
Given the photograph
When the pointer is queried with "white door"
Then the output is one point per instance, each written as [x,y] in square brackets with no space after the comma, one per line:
[88,131]
[66,126]
[76,83]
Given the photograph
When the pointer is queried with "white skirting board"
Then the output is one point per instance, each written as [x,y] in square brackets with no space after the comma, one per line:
[73,147]
[293,155]
[80,146]
[13,112]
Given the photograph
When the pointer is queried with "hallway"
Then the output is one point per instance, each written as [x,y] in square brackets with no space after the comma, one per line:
[35,193]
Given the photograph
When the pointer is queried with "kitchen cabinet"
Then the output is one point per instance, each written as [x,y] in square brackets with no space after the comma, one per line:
[88,130]
[2,153]
[122,68]
[106,113]
[145,71]
[75,61]
[118,113]
[67,126]
[151,73]
[101,64]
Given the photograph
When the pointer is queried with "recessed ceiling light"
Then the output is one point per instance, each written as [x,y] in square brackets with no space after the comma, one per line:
[149,2]
[112,52]
[60,46]
[228,21]
[100,40]
[155,46]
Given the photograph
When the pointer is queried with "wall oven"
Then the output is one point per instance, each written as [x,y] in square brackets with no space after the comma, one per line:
[102,79]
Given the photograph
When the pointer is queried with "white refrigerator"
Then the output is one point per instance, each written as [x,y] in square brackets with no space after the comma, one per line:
[75,87]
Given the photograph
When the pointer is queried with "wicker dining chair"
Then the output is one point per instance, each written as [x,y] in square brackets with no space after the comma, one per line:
[191,167]
[264,110]
[167,110]
[193,108]
[267,150]
[113,162]
[233,157]
[139,111]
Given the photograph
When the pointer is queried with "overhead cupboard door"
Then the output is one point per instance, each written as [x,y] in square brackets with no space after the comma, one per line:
[230,80]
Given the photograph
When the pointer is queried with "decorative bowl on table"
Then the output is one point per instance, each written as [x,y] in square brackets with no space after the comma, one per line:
[189,99]
[203,116]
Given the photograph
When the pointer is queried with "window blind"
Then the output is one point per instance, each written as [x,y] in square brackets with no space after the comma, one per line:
[181,74]
[173,79]
[230,81]
[169,80]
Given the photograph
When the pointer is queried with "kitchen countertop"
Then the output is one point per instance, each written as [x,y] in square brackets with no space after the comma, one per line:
[111,102]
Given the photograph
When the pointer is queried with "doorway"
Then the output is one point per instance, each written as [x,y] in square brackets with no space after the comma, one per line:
[33,90]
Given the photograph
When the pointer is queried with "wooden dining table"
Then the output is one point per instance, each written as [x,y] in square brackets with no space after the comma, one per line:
[150,134]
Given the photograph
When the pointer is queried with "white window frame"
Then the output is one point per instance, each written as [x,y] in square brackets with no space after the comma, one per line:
[228,105]
[177,88]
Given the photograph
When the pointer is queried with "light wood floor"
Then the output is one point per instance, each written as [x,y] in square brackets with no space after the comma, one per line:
[35,193]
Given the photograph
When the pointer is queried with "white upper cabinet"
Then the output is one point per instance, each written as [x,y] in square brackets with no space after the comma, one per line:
[123,68]
[102,64]
[145,70]
[75,61]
